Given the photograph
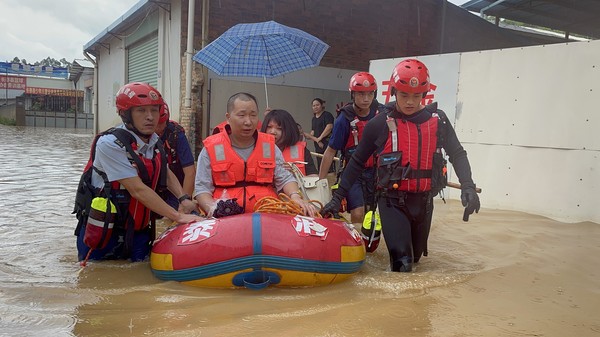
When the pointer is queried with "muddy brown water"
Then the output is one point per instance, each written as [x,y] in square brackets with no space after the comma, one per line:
[503,273]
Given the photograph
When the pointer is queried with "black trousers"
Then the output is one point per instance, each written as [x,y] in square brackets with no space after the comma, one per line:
[321,150]
[405,223]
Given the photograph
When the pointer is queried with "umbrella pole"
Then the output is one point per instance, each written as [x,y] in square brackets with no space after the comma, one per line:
[266,92]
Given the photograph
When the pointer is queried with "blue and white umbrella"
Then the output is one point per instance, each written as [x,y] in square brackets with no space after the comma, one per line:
[264,49]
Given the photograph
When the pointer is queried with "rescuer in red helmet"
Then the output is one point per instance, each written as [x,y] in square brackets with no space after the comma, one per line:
[408,140]
[347,132]
[118,189]
[179,154]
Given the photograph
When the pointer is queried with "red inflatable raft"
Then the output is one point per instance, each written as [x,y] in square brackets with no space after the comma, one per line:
[255,250]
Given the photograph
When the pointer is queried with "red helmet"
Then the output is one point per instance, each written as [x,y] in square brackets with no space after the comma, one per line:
[164,114]
[411,76]
[137,94]
[362,81]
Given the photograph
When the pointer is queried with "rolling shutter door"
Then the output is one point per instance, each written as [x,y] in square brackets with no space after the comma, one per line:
[142,62]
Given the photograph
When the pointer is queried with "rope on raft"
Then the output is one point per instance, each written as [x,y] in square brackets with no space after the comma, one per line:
[282,205]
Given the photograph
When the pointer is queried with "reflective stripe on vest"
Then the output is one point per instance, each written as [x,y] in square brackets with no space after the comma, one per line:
[247,181]
[137,210]
[417,142]
[295,154]
[357,128]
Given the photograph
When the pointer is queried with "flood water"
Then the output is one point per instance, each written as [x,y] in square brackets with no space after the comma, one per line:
[501,274]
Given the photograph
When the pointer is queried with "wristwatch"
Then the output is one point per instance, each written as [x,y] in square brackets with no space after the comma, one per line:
[184,197]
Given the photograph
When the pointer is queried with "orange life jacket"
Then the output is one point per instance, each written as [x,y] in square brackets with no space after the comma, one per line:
[295,153]
[249,180]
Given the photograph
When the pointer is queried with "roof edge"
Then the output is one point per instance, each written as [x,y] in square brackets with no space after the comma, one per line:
[115,24]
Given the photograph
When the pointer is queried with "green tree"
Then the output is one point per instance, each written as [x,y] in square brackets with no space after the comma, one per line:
[47,62]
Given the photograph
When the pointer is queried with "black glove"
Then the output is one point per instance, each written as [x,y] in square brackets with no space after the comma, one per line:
[227,207]
[332,207]
[470,200]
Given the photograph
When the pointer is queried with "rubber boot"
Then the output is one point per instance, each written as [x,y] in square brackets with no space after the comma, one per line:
[403,265]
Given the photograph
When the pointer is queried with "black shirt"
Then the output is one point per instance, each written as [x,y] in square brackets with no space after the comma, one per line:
[319,124]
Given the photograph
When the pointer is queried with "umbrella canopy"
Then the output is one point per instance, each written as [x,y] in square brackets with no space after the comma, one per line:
[264,49]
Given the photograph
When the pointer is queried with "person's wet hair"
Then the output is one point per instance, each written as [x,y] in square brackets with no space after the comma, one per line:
[289,128]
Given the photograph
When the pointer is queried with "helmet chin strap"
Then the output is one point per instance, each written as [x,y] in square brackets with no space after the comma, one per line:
[126,118]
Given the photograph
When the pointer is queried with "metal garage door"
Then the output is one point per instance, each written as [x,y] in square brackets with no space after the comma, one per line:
[142,62]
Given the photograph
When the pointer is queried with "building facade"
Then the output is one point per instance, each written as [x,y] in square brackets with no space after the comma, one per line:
[154,42]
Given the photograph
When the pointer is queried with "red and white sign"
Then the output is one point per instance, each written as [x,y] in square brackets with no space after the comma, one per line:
[13,82]
[54,92]
[198,231]
[306,226]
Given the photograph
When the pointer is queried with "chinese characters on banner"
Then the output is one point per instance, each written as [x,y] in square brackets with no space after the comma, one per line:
[13,83]
[54,92]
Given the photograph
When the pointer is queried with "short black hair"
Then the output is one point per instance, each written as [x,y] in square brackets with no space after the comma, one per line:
[319,100]
[290,134]
[243,96]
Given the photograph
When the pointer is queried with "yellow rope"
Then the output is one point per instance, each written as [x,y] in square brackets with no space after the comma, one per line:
[281,205]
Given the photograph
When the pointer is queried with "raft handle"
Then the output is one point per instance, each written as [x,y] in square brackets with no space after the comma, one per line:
[256,279]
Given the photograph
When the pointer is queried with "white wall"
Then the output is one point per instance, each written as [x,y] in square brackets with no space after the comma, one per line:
[527,118]
[46,82]
[110,78]
[112,65]
[169,59]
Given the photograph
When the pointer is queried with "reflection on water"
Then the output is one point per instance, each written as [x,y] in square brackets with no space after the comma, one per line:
[38,175]
[43,291]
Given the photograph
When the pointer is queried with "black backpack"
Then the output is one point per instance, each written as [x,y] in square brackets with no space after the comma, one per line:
[86,191]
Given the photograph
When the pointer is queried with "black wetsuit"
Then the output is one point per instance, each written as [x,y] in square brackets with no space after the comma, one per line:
[405,216]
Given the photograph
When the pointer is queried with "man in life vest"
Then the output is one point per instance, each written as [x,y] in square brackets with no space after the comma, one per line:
[127,168]
[347,132]
[243,164]
[409,138]
[224,127]
[288,138]
[179,154]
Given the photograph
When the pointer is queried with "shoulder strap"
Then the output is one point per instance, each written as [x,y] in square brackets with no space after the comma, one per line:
[392,125]
[125,139]
[443,123]
[162,180]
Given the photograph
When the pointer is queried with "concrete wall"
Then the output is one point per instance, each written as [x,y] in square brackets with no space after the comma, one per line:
[527,118]
[111,77]
[8,111]
[169,58]
[356,29]
[113,66]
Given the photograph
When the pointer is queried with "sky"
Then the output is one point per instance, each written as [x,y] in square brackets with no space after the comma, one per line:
[36,29]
